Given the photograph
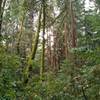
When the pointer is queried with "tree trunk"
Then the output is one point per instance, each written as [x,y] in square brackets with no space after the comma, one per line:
[19,35]
[0,16]
[73,26]
[34,49]
[43,43]
[66,40]
[2,5]
[48,53]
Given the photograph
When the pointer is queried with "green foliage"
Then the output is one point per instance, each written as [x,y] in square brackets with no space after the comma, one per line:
[63,85]
[8,77]
[78,77]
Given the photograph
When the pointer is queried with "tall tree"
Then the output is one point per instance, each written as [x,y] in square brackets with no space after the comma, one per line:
[2,6]
[34,49]
[43,40]
[73,24]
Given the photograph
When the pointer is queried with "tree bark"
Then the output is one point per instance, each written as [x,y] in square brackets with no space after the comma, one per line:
[0,16]
[43,43]
[19,35]
[2,5]
[73,26]
[34,49]
[66,40]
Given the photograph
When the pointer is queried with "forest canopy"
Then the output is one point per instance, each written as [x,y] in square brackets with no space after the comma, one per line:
[49,49]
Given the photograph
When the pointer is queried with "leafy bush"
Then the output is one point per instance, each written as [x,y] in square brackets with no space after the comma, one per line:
[8,76]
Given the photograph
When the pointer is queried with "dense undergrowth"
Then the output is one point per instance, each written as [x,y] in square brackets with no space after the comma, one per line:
[71,82]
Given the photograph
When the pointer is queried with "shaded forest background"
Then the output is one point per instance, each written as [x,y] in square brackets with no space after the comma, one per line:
[49,50]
